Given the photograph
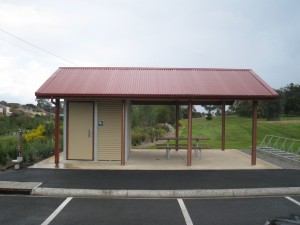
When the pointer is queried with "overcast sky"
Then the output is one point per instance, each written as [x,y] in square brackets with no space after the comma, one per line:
[263,35]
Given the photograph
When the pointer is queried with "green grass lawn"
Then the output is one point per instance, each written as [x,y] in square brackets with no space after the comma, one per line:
[239,130]
[5,139]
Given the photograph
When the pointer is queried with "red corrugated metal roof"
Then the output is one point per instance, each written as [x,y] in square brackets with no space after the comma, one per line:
[136,82]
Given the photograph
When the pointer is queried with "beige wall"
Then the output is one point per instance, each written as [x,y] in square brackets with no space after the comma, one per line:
[109,136]
[128,130]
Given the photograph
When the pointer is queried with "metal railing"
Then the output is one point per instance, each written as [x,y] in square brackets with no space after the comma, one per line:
[284,147]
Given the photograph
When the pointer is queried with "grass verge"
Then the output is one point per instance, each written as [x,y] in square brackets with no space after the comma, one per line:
[239,130]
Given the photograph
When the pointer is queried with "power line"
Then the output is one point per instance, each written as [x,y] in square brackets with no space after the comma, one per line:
[37,47]
[18,82]
[18,46]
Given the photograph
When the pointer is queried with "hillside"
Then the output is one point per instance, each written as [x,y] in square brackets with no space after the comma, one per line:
[14,116]
[30,110]
[239,130]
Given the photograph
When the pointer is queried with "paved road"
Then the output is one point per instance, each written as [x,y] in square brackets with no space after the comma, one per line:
[155,180]
[245,211]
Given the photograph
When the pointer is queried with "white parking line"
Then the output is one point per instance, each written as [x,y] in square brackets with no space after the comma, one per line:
[57,211]
[293,200]
[185,213]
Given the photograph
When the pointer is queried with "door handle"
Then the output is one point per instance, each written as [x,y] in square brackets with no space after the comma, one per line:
[89,132]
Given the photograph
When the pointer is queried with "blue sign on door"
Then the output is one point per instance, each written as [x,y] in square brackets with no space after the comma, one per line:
[100,123]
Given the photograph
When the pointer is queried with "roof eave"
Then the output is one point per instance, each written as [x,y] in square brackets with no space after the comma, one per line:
[139,96]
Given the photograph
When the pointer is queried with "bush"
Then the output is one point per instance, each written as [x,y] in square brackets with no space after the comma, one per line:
[37,149]
[28,156]
[138,137]
[151,134]
[36,134]
[12,149]
[160,132]
[50,129]
[180,123]
[3,156]
[164,126]
[46,149]
[209,116]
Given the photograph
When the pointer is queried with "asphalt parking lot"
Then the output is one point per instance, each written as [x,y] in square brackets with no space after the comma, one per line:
[155,180]
[47,210]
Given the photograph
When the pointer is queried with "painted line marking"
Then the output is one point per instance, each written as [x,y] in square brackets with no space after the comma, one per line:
[185,212]
[37,186]
[293,200]
[57,211]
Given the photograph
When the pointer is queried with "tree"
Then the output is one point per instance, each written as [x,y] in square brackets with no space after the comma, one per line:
[271,110]
[31,106]
[3,103]
[243,108]
[45,105]
[231,109]
[184,110]
[163,114]
[292,99]
[4,125]
[143,116]
[209,109]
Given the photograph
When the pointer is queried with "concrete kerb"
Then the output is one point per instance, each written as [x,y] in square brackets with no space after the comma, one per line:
[12,186]
[201,193]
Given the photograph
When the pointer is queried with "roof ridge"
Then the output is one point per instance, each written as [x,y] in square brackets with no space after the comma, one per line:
[263,83]
[158,68]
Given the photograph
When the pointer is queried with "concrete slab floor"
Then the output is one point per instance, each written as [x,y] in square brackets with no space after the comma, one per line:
[153,159]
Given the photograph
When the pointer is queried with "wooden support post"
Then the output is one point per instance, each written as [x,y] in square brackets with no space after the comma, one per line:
[177,125]
[56,151]
[123,120]
[189,150]
[223,126]
[254,133]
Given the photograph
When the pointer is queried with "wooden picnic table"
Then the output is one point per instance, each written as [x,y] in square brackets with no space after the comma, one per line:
[183,138]
[177,146]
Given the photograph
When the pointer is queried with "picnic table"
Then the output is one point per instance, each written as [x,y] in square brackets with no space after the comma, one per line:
[196,147]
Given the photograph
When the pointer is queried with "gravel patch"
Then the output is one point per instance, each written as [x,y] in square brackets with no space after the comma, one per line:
[275,160]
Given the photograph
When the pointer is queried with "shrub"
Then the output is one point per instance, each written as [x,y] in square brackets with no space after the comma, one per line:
[49,129]
[12,149]
[45,149]
[209,116]
[8,151]
[180,123]
[36,134]
[28,156]
[151,134]
[138,136]
[164,126]
[159,132]
[3,156]
[38,149]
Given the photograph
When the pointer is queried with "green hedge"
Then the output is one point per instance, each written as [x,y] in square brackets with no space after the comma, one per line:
[8,151]
[32,151]
[3,155]
[38,149]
